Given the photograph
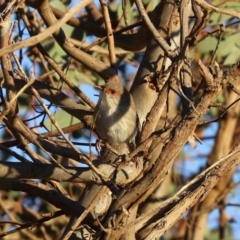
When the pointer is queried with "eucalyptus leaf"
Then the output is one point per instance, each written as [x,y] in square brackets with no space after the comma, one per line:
[63,119]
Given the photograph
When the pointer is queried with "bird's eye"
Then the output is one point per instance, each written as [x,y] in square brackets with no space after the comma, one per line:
[110,91]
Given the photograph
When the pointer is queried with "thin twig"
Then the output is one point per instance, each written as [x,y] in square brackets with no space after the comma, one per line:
[75,89]
[54,122]
[91,206]
[163,44]
[36,94]
[41,36]
[209,7]
[222,30]
[13,154]
[100,40]
[66,130]
[31,224]
[221,115]
[110,38]
[12,101]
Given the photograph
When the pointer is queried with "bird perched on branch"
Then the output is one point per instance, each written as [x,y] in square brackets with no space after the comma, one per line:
[115,115]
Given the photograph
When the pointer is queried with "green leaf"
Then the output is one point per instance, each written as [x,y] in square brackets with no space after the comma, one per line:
[63,119]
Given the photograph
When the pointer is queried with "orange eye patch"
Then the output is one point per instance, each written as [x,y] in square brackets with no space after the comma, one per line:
[110,91]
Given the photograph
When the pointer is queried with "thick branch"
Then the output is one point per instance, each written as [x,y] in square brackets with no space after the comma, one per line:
[92,63]
[46,192]
[122,175]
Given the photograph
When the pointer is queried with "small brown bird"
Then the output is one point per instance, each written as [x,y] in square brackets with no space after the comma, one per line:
[115,115]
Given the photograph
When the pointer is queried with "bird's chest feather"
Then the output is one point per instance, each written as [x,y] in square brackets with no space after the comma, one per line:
[117,123]
[108,115]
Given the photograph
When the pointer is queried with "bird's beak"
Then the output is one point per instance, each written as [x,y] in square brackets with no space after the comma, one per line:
[99,87]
